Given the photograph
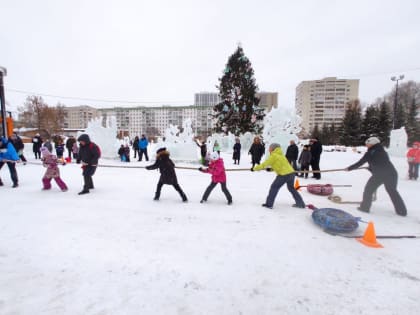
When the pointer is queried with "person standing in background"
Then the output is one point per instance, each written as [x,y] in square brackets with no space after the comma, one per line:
[237,151]
[316,150]
[143,143]
[256,151]
[136,146]
[413,159]
[69,145]
[292,154]
[36,145]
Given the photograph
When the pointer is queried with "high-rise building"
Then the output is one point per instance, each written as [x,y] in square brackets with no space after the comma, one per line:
[323,102]
[206,99]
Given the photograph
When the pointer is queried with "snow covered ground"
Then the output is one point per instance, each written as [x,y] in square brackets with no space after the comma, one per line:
[116,251]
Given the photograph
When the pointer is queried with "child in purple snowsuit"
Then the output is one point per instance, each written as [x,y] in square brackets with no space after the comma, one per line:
[50,162]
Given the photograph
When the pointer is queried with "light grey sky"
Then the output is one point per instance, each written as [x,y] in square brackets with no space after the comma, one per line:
[165,51]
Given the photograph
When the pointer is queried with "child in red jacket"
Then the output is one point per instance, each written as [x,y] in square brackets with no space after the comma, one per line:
[413,158]
[218,175]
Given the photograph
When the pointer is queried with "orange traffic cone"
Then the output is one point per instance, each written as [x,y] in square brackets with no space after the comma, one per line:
[297,185]
[369,238]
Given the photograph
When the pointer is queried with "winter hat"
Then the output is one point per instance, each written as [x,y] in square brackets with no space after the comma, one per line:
[84,137]
[160,150]
[372,141]
[214,156]
[274,146]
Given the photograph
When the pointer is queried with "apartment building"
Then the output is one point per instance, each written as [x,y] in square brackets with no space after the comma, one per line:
[153,121]
[268,100]
[78,117]
[324,101]
[206,99]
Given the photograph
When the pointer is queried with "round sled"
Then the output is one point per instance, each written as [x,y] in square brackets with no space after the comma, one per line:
[335,220]
[321,190]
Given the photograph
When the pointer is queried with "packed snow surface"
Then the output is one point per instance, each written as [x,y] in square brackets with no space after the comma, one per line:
[116,251]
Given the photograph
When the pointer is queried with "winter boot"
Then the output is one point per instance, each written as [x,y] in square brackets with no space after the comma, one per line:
[184,197]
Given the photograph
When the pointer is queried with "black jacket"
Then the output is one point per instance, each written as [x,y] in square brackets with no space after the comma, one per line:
[37,143]
[292,152]
[237,151]
[316,150]
[69,143]
[203,149]
[378,160]
[17,143]
[257,150]
[88,153]
[166,168]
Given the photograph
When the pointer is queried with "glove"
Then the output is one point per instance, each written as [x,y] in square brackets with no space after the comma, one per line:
[269,169]
[200,169]
[252,169]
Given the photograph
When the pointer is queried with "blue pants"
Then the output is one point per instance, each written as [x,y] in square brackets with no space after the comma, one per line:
[276,185]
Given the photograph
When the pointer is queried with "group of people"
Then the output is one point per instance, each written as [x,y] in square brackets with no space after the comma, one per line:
[256,151]
[383,171]
[283,165]
[11,151]
[276,162]
[59,146]
[139,146]
[309,157]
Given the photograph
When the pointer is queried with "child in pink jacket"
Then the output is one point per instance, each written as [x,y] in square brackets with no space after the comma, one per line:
[218,175]
[50,162]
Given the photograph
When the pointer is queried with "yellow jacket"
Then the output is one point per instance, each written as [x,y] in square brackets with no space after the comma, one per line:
[278,162]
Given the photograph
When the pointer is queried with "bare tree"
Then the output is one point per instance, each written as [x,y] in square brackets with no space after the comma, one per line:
[32,112]
[35,113]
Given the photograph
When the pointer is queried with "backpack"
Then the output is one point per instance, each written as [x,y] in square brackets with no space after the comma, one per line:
[96,147]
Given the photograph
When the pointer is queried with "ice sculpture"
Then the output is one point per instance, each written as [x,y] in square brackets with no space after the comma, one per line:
[105,137]
[181,145]
[398,143]
[280,126]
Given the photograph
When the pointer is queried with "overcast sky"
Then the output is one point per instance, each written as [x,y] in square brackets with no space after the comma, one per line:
[163,52]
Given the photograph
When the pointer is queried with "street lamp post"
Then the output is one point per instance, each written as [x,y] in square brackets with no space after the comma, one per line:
[3,72]
[396,99]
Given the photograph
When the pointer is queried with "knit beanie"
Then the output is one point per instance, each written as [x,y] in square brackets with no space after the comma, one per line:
[372,141]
